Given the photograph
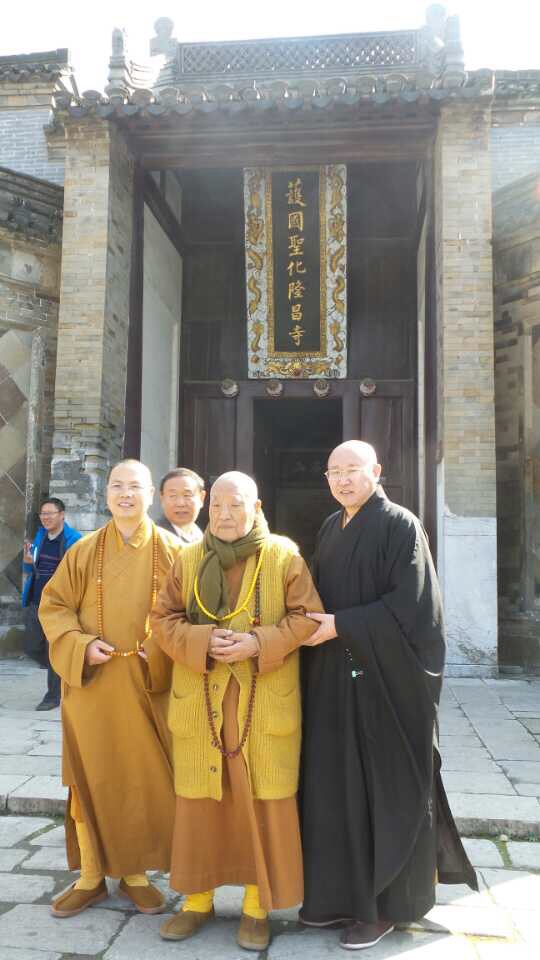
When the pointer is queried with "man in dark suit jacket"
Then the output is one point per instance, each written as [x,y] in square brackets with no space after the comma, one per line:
[182,495]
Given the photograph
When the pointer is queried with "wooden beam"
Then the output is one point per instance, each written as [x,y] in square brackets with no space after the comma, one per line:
[190,144]
[159,207]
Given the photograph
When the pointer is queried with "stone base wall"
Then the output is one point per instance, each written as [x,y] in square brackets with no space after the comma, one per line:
[29,280]
[467,485]
[89,412]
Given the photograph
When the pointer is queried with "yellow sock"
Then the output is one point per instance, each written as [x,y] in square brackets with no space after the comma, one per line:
[251,905]
[91,876]
[199,902]
[137,880]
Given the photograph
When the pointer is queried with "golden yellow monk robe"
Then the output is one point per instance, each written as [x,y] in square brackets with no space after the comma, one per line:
[232,617]
[116,758]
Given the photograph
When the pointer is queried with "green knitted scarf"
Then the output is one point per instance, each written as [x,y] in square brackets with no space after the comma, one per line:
[218,557]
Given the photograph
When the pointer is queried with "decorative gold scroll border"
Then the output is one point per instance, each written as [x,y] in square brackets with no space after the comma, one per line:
[263,360]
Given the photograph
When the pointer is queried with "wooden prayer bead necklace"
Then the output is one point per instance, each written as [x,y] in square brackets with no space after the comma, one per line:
[256,620]
[243,607]
[99,592]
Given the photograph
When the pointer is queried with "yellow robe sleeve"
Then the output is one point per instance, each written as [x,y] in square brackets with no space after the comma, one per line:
[301,597]
[184,642]
[60,602]
[159,665]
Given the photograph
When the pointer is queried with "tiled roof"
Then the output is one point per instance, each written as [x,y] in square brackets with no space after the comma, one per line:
[30,207]
[29,66]
[314,94]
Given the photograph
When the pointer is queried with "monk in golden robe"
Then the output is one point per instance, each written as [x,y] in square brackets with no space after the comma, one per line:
[115,756]
[232,617]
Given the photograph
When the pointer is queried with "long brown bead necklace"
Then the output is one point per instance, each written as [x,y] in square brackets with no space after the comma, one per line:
[99,592]
[216,739]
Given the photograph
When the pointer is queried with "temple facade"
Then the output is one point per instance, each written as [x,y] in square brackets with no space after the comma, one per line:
[262,248]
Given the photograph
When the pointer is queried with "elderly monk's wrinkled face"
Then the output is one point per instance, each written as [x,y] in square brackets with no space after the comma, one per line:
[232,511]
[182,499]
[352,477]
[129,491]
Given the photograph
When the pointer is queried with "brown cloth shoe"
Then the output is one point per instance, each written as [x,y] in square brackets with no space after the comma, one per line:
[184,924]
[253,934]
[360,936]
[147,899]
[74,901]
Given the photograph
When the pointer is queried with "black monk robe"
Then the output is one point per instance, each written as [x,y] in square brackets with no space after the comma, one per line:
[376,824]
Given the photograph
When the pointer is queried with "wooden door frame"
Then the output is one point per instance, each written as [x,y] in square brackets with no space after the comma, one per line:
[348,391]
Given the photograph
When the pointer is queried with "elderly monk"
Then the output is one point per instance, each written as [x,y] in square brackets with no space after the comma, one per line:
[115,759]
[376,826]
[232,616]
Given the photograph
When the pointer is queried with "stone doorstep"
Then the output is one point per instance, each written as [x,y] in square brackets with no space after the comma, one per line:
[39,795]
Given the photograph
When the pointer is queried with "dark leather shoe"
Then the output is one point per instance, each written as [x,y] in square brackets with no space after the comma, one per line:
[360,935]
[146,898]
[74,901]
[184,924]
[253,934]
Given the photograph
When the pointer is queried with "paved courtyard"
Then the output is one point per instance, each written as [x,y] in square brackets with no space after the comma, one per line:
[490,738]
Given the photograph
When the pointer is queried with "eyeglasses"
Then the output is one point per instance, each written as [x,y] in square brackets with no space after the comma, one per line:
[347,474]
[49,516]
[118,487]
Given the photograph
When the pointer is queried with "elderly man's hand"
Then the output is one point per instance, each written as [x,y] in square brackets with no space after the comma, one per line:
[326,631]
[241,646]
[220,640]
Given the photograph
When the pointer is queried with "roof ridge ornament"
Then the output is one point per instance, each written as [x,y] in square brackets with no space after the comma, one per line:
[163,43]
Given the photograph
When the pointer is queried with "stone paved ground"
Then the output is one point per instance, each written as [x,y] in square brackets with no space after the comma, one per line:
[490,732]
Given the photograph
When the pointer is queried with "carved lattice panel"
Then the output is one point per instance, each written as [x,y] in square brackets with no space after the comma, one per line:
[398,49]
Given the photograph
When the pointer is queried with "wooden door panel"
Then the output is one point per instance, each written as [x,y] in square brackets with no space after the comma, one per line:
[209,430]
[218,433]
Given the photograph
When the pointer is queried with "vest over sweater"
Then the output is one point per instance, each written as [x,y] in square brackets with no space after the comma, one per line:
[272,748]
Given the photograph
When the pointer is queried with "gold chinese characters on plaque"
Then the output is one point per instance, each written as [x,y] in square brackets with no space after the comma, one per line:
[296,271]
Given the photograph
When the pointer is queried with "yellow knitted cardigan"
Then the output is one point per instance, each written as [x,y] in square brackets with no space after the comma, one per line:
[272,749]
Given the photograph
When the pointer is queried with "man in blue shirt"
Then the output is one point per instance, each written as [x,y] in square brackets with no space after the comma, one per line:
[41,559]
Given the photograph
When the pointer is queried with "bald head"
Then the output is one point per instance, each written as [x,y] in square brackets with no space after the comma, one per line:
[134,466]
[356,450]
[234,504]
[129,493]
[353,474]
[242,482]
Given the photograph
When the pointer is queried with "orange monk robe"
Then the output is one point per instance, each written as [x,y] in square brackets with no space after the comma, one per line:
[116,752]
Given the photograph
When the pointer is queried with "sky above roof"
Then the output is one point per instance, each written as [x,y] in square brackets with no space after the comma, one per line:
[495,34]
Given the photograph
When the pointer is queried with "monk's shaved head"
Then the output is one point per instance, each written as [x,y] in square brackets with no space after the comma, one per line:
[244,484]
[353,474]
[358,449]
[234,504]
[134,465]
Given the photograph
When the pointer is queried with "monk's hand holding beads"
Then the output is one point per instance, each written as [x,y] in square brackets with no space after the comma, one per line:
[219,642]
[98,652]
[242,646]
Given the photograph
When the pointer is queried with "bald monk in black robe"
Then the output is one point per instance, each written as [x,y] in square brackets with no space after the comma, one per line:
[377,829]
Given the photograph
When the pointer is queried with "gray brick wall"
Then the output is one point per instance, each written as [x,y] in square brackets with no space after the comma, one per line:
[23,146]
[515,152]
